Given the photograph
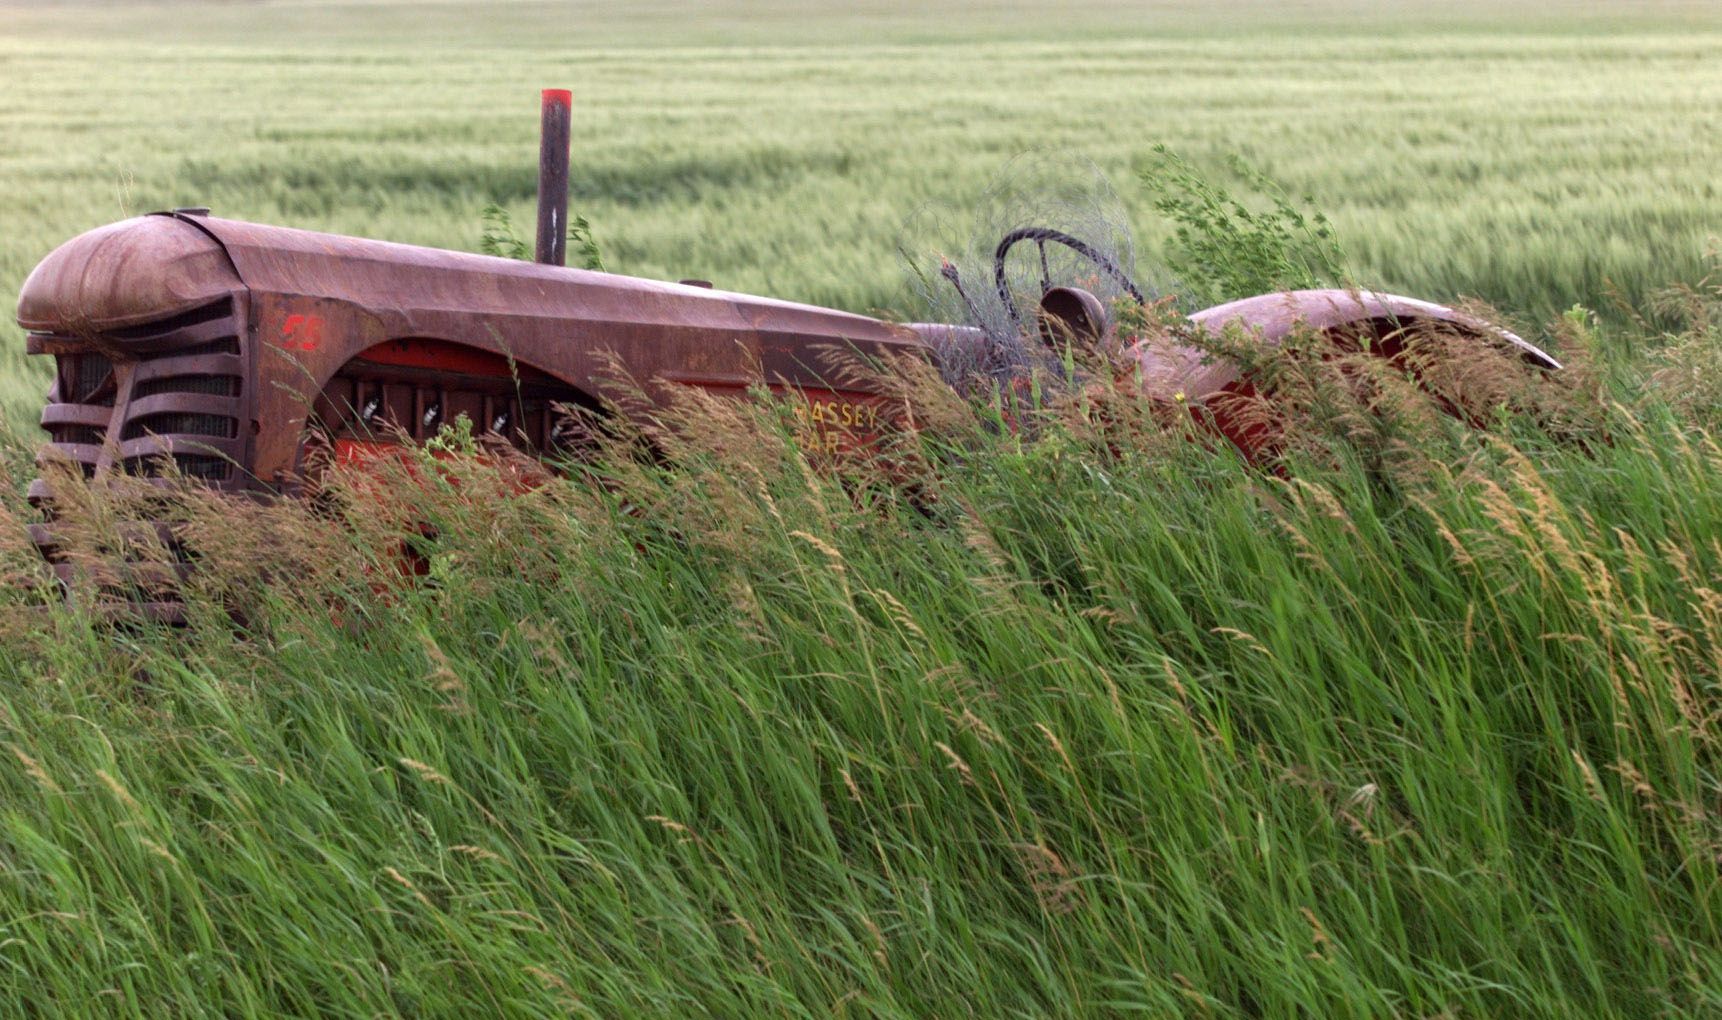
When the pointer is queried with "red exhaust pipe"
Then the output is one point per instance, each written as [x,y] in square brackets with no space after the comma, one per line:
[553,177]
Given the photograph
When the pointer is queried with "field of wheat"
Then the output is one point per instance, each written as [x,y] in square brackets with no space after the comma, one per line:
[1533,154]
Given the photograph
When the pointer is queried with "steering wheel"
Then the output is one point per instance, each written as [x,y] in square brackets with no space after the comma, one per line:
[1040,236]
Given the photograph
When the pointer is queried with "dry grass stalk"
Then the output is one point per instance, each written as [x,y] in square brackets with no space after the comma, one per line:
[1054,886]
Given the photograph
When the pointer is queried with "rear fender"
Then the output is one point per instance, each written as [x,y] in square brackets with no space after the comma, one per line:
[1186,374]
[1272,317]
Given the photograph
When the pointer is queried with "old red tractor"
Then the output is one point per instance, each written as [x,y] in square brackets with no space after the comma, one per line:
[222,346]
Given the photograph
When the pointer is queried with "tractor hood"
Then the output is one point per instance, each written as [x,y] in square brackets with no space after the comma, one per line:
[128,273]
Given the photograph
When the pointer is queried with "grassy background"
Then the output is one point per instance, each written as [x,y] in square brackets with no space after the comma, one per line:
[1105,724]
[1522,152]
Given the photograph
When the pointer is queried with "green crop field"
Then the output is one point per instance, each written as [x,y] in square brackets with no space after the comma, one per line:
[1101,722]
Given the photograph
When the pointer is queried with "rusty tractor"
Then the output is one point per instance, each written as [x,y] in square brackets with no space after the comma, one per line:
[219,347]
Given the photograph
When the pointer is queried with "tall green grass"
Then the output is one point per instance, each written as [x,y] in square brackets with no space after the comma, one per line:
[1104,722]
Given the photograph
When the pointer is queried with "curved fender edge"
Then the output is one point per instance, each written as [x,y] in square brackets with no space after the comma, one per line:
[1274,316]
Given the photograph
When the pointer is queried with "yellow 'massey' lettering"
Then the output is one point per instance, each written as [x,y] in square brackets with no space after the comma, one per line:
[828,422]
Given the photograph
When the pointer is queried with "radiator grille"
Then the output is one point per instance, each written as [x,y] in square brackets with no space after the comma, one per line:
[170,389]
[202,467]
[183,423]
[214,385]
[87,379]
[151,400]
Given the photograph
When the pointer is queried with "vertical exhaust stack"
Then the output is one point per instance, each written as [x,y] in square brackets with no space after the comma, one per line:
[553,177]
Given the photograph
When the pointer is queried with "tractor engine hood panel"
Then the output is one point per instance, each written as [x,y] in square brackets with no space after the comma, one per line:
[125,274]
